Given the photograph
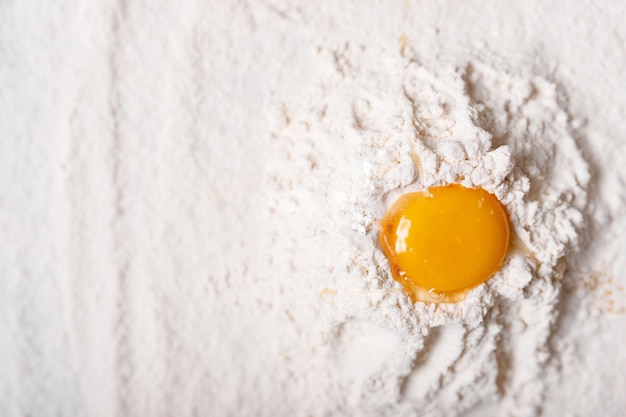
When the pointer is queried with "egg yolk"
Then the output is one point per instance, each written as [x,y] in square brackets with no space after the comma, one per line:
[444,242]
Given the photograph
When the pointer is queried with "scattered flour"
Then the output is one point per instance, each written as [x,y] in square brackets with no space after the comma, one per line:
[190,194]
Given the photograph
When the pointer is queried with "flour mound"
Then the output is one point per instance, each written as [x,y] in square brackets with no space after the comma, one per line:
[377,126]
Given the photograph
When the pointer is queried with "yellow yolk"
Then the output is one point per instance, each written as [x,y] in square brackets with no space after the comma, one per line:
[444,242]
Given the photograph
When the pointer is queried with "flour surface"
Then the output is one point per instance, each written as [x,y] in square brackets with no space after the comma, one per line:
[190,194]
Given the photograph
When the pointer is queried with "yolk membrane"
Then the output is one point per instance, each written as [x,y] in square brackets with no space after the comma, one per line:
[444,242]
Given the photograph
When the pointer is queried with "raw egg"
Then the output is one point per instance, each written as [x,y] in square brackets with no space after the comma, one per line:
[444,242]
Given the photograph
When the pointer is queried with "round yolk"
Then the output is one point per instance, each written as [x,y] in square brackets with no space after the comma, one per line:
[445,241]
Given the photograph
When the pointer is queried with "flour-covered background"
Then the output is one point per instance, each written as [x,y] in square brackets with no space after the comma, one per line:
[188,196]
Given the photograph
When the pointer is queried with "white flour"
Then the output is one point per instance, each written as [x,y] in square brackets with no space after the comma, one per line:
[189,197]
[380,125]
